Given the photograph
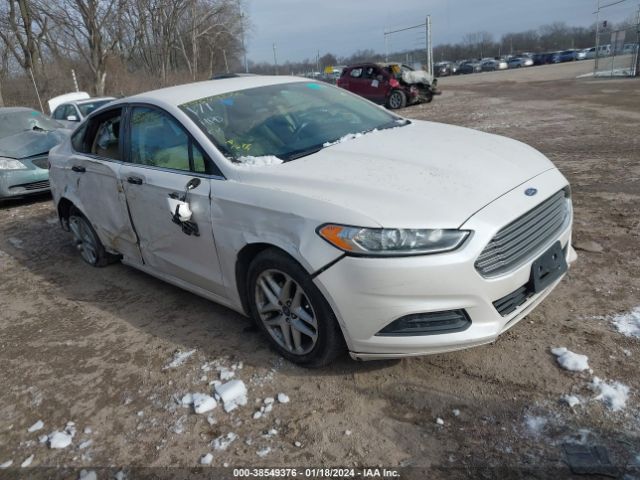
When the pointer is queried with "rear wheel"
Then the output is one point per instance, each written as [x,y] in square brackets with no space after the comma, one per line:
[291,310]
[87,241]
[397,99]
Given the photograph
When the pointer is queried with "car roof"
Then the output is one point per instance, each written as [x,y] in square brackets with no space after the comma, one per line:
[91,100]
[185,93]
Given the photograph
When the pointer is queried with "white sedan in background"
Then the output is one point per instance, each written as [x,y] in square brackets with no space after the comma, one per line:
[331,222]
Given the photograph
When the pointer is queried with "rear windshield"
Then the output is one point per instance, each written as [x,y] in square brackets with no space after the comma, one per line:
[287,120]
[87,108]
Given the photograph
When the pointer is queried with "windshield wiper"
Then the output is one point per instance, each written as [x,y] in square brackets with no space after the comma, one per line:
[395,124]
[301,153]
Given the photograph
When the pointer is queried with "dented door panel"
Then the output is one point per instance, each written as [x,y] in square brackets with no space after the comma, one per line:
[164,245]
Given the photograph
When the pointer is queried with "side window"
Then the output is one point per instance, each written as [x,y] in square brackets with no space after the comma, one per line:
[105,131]
[159,140]
[77,139]
[356,72]
[58,113]
[199,163]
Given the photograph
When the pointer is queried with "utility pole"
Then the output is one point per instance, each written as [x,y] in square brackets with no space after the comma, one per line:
[75,80]
[386,46]
[275,58]
[244,49]
[595,67]
[429,46]
[226,64]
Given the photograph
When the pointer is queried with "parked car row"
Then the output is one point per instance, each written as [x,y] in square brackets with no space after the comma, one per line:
[528,59]
[27,135]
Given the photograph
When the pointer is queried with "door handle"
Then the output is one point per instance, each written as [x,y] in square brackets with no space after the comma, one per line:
[134,180]
[78,169]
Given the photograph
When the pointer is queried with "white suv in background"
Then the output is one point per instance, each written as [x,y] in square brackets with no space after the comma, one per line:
[327,219]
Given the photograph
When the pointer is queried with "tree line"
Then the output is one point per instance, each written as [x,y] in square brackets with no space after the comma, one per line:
[119,46]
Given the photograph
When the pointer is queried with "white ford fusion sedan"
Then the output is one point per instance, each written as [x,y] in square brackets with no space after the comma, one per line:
[331,222]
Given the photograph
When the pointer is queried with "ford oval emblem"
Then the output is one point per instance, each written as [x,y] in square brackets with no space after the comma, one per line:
[530,192]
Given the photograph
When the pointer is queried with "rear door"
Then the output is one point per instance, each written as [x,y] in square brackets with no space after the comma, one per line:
[162,159]
[94,182]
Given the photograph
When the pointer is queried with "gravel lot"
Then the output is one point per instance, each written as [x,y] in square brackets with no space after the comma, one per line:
[91,345]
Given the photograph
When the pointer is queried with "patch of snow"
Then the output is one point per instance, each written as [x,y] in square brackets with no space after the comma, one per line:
[85,444]
[88,475]
[345,138]
[571,400]
[456,412]
[120,475]
[178,427]
[439,421]
[535,424]
[297,444]
[203,403]
[232,394]
[36,426]
[628,323]
[348,432]
[15,242]
[263,452]
[268,408]
[27,461]
[268,400]
[257,415]
[211,420]
[59,440]
[571,361]
[6,464]
[223,442]
[179,358]
[43,438]
[614,395]
[226,374]
[283,398]
[206,459]
[88,431]
[261,161]
[140,413]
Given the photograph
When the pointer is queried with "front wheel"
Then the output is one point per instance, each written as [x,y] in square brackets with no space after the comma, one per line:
[397,99]
[291,311]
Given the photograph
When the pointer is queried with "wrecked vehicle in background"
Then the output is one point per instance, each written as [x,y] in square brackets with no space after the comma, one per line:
[26,136]
[334,224]
[392,84]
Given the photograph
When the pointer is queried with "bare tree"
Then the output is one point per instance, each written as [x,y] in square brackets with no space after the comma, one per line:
[90,29]
[22,30]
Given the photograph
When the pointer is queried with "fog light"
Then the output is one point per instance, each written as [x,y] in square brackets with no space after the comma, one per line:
[433,323]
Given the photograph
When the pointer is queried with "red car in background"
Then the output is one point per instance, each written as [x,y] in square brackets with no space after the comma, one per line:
[391,84]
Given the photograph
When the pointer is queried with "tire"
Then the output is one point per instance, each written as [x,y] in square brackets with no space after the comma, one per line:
[280,309]
[397,100]
[87,241]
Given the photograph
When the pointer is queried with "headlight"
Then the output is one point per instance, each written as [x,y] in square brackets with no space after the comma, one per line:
[391,241]
[10,164]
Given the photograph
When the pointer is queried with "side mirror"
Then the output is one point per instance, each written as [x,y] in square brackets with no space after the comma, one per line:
[72,118]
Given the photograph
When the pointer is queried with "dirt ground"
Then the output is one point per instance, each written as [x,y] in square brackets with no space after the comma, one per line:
[91,345]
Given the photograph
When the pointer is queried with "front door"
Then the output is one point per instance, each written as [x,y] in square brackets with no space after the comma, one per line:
[162,159]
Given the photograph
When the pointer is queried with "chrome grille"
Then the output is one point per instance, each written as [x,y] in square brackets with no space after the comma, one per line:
[518,241]
[33,185]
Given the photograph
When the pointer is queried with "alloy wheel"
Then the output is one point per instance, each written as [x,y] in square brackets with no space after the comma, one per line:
[395,100]
[286,312]
[85,240]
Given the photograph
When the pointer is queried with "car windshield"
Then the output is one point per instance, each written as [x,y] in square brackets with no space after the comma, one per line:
[13,122]
[87,108]
[287,121]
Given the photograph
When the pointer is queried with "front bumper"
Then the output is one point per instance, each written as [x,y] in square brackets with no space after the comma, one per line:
[367,294]
[20,183]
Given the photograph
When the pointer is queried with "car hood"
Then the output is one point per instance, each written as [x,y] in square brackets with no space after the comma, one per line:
[30,142]
[425,174]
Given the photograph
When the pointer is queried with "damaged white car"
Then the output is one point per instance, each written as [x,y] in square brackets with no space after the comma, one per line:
[331,222]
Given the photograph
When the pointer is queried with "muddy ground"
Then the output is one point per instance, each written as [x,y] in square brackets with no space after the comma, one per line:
[90,345]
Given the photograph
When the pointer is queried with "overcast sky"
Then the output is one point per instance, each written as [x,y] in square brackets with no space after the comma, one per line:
[302,27]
